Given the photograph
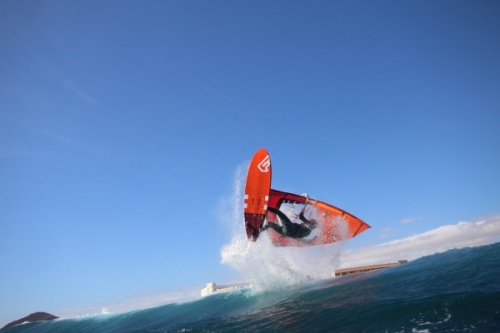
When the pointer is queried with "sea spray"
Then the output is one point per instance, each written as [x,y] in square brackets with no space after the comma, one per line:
[230,207]
[264,265]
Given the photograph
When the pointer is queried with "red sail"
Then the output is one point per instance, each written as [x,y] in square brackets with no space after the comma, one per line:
[334,224]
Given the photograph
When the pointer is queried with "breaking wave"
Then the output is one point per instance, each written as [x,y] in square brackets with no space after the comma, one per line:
[454,291]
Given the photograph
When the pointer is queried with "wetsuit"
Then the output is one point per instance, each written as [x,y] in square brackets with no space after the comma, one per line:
[287,227]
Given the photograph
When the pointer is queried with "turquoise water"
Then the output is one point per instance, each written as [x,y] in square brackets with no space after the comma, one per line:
[455,291]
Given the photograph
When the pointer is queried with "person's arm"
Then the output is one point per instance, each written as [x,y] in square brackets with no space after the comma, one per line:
[302,217]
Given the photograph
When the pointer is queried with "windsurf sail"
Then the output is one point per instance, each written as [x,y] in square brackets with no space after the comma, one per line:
[334,224]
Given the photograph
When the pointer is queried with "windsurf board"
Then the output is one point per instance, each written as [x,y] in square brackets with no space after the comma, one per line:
[257,187]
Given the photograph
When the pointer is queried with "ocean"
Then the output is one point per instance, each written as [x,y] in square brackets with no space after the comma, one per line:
[453,291]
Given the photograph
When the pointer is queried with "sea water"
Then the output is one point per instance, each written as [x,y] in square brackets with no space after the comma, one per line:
[454,291]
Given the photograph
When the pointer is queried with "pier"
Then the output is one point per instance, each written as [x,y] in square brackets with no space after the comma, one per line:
[347,271]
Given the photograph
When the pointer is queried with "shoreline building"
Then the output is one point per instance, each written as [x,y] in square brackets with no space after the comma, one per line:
[212,288]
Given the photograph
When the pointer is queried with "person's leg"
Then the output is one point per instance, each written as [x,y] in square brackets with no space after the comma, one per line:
[276,227]
[285,221]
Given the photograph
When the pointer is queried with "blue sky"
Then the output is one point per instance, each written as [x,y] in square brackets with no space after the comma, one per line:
[123,123]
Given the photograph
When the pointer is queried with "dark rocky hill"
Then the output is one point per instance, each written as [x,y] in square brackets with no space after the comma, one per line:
[37,316]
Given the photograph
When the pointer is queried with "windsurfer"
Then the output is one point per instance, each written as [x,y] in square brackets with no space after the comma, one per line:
[289,228]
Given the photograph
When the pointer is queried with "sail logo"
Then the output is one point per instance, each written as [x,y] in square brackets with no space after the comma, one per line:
[265,164]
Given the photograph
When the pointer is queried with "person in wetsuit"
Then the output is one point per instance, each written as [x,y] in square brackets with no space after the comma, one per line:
[288,228]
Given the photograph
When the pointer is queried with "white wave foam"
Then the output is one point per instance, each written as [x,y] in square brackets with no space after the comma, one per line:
[264,265]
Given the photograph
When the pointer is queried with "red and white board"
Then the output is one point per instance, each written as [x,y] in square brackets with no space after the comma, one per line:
[257,188]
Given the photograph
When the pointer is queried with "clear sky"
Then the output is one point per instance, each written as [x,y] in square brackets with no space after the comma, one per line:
[123,124]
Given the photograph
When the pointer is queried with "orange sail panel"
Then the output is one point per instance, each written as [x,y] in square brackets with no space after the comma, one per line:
[334,224]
